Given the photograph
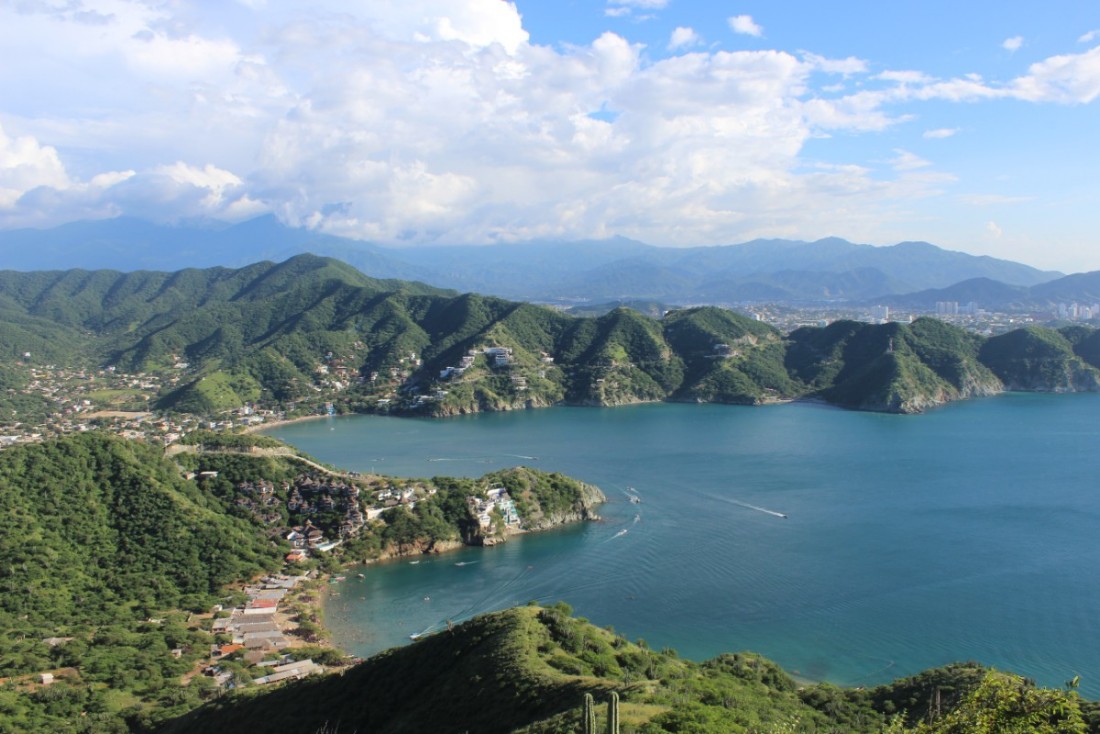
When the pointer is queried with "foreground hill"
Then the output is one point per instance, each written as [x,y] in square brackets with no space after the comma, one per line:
[311,331]
[106,541]
[528,669]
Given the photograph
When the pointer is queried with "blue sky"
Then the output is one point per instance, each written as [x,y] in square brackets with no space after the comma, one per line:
[971,125]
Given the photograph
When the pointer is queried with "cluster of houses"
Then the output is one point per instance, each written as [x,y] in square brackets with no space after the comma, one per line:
[307,496]
[257,637]
[497,356]
[496,499]
[310,496]
[392,496]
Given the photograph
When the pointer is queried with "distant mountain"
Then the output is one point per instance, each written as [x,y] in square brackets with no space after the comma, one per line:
[1082,288]
[830,269]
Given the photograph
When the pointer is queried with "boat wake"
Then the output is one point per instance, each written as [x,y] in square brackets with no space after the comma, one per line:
[765,510]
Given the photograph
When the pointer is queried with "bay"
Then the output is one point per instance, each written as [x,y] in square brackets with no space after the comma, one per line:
[967,533]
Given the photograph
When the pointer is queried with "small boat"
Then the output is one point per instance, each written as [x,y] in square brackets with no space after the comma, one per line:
[413,563]
[427,598]
[635,499]
[415,636]
[361,575]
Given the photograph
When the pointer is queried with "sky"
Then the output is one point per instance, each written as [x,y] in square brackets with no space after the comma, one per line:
[972,125]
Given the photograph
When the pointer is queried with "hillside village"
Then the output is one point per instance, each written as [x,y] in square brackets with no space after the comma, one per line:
[314,514]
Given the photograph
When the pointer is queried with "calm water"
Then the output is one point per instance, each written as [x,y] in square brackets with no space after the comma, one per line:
[968,533]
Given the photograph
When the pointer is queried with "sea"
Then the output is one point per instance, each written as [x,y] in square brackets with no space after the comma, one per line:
[849,547]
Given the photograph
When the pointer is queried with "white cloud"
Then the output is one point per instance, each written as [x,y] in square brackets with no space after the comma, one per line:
[1068,79]
[440,121]
[24,165]
[1013,44]
[940,133]
[683,37]
[906,161]
[477,23]
[994,199]
[904,77]
[745,25]
[847,66]
[993,230]
[1089,37]
[624,8]
[643,4]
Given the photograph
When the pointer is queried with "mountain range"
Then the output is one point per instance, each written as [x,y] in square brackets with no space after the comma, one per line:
[827,270]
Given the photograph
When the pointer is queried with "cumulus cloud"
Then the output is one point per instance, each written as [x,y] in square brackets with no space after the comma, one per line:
[1013,44]
[1068,79]
[940,133]
[1089,37]
[745,25]
[440,121]
[24,165]
[683,37]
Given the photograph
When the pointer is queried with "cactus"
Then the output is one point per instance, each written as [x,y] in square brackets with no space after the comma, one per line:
[613,714]
[589,714]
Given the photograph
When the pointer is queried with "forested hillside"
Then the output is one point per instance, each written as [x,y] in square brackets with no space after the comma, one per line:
[115,555]
[312,331]
[528,670]
[103,537]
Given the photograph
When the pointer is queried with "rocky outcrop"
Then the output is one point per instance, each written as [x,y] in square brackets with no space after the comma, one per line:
[582,510]
[420,547]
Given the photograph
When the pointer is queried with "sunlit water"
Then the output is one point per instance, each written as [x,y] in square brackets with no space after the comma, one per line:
[968,533]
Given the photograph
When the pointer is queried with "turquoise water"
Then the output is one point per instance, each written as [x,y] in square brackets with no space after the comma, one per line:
[967,533]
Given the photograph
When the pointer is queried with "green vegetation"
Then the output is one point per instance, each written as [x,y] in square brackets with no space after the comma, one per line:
[113,551]
[313,333]
[109,541]
[893,367]
[1043,359]
[539,670]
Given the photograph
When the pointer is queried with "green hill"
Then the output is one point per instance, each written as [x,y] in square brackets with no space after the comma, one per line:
[1044,360]
[311,331]
[105,542]
[891,367]
[527,670]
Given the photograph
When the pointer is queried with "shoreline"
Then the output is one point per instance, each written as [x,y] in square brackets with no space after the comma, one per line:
[288,422]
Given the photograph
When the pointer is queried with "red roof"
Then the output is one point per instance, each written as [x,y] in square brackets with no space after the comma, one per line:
[229,649]
[263,603]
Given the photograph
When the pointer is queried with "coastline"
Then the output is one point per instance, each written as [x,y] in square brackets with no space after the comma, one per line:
[286,422]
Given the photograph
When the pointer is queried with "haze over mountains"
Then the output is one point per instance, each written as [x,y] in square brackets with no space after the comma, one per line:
[910,274]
